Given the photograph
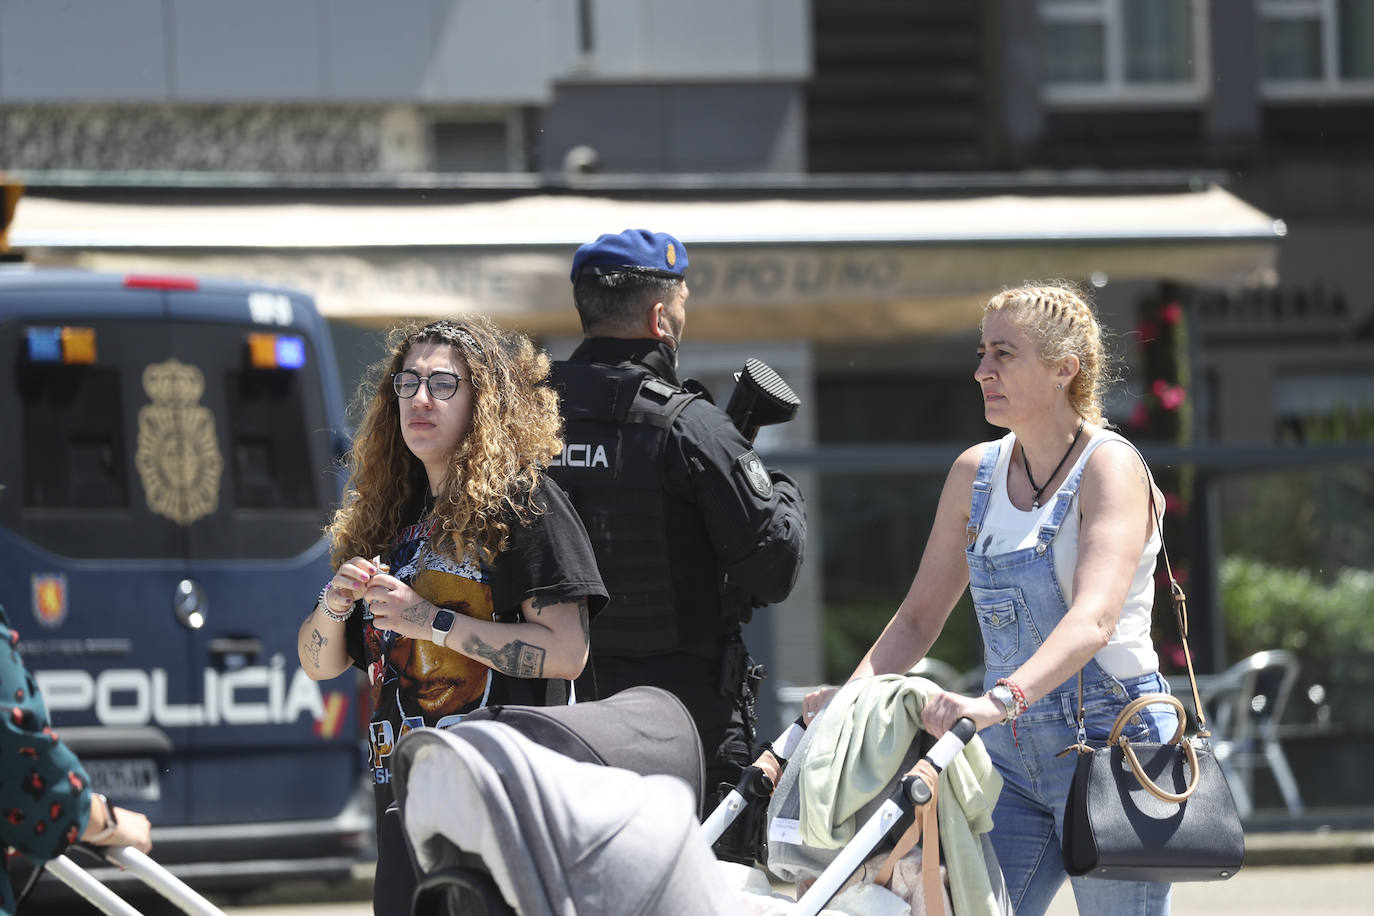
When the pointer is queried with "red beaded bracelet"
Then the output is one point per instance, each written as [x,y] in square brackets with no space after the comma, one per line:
[1018,693]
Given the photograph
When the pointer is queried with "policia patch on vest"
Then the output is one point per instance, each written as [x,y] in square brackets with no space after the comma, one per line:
[756,474]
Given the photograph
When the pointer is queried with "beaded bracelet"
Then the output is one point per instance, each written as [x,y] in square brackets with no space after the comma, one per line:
[1018,694]
[328,612]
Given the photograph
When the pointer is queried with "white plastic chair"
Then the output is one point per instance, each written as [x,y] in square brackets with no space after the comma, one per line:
[1247,702]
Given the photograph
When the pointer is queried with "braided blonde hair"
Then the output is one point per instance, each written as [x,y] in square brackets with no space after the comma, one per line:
[1061,322]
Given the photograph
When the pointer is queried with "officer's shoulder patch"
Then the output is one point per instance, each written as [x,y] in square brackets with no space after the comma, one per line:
[760,481]
[660,391]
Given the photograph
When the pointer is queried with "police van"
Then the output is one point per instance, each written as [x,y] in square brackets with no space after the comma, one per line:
[169,459]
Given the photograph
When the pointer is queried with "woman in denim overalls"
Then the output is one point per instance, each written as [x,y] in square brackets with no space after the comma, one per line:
[1060,561]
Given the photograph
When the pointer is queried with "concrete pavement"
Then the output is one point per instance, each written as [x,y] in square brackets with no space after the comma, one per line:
[1273,890]
[1321,862]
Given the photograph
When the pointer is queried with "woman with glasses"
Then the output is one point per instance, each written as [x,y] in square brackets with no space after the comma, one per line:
[463,576]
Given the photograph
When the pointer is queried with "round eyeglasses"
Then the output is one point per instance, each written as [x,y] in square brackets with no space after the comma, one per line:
[442,385]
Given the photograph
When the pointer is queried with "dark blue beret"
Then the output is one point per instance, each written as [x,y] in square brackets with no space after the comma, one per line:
[640,251]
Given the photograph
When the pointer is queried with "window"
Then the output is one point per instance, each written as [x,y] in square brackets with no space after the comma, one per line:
[271,448]
[71,433]
[1317,48]
[1152,51]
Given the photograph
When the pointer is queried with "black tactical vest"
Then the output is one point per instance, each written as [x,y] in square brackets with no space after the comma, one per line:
[653,551]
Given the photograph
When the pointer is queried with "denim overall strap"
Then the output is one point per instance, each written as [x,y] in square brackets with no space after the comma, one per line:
[982,490]
[1017,596]
[1063,499]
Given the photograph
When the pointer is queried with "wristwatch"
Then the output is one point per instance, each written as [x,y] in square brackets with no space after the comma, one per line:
[1003,694]
[443,622]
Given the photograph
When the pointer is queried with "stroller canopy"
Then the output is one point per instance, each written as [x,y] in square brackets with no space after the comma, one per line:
[559,836]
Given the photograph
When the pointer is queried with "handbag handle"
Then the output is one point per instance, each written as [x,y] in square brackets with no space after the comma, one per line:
[1124,743]
[1139,703]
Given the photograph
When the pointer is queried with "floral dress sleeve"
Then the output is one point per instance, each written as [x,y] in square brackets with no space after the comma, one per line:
[44,791]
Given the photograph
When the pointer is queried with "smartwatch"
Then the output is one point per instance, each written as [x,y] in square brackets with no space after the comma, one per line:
[443,622]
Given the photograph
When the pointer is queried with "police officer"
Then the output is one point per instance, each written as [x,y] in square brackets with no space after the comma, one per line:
[691,531]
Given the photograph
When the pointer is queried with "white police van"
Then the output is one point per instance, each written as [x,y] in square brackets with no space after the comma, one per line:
[168,457]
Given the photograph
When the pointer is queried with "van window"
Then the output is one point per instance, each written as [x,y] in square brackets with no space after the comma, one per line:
[72,439]
[271,456]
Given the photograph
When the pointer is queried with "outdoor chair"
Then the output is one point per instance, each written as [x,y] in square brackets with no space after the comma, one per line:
[1245,704]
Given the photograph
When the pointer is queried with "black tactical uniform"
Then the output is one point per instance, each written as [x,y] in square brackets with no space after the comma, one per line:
[691,533]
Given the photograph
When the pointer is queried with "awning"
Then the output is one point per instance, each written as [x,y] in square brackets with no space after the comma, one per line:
[821,268]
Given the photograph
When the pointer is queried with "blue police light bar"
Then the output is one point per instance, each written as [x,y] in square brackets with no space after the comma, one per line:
[70,345]
[276,351]
[45,345]
[290,352]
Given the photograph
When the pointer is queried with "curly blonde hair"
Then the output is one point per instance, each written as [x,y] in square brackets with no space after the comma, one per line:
[1061,321]
[515,432]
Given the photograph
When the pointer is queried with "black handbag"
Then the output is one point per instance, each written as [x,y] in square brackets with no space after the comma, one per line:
[1141,811]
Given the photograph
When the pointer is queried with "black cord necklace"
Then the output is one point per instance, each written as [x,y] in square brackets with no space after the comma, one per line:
[1035,500]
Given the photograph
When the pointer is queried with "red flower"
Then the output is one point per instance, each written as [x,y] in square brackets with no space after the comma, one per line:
[1148,331]
[1159,387]
[1139,417]
[1171,313]
[1173,398]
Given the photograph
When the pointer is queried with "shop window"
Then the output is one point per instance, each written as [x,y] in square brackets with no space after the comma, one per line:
[1335,408]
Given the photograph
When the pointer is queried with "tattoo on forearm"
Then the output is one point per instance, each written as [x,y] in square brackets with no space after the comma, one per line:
[416,613]
[317,642]
[516,658]
[584,617]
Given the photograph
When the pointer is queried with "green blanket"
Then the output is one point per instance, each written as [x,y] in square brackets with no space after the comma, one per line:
[857,745]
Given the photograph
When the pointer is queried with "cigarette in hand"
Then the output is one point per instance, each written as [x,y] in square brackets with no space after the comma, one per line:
[381,567]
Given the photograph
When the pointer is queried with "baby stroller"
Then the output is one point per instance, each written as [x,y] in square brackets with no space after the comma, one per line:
[559,810]
[522,828]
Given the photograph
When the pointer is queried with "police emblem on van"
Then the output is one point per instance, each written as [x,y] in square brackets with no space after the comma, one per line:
[756,474]
[178,456]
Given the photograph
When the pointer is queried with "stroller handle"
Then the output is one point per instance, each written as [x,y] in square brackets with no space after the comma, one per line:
[161,880]
[757,782]
[945,750]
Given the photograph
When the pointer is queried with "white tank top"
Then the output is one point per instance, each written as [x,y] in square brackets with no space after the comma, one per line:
[1130,652]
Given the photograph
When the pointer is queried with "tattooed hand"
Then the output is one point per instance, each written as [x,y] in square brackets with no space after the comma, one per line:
[399,608]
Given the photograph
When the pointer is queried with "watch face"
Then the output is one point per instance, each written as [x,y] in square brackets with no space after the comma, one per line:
[444,619]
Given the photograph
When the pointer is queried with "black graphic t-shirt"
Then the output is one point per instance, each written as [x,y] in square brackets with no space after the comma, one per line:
[416,683]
